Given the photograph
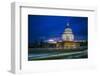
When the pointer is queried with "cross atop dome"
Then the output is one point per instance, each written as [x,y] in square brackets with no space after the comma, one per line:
[68,24]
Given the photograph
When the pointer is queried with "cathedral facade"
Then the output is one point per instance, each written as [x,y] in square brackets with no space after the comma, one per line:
[67,41]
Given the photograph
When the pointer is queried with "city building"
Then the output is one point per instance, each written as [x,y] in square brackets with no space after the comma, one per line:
[67,40]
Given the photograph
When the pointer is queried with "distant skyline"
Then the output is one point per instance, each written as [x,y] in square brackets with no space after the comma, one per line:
[43,26]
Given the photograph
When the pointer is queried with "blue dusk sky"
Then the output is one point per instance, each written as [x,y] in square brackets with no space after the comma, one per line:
[46,27]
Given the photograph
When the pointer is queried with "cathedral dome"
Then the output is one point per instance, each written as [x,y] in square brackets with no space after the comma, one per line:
[68,30]
[68,34]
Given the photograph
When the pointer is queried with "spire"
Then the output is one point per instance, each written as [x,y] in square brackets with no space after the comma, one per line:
[68,25]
